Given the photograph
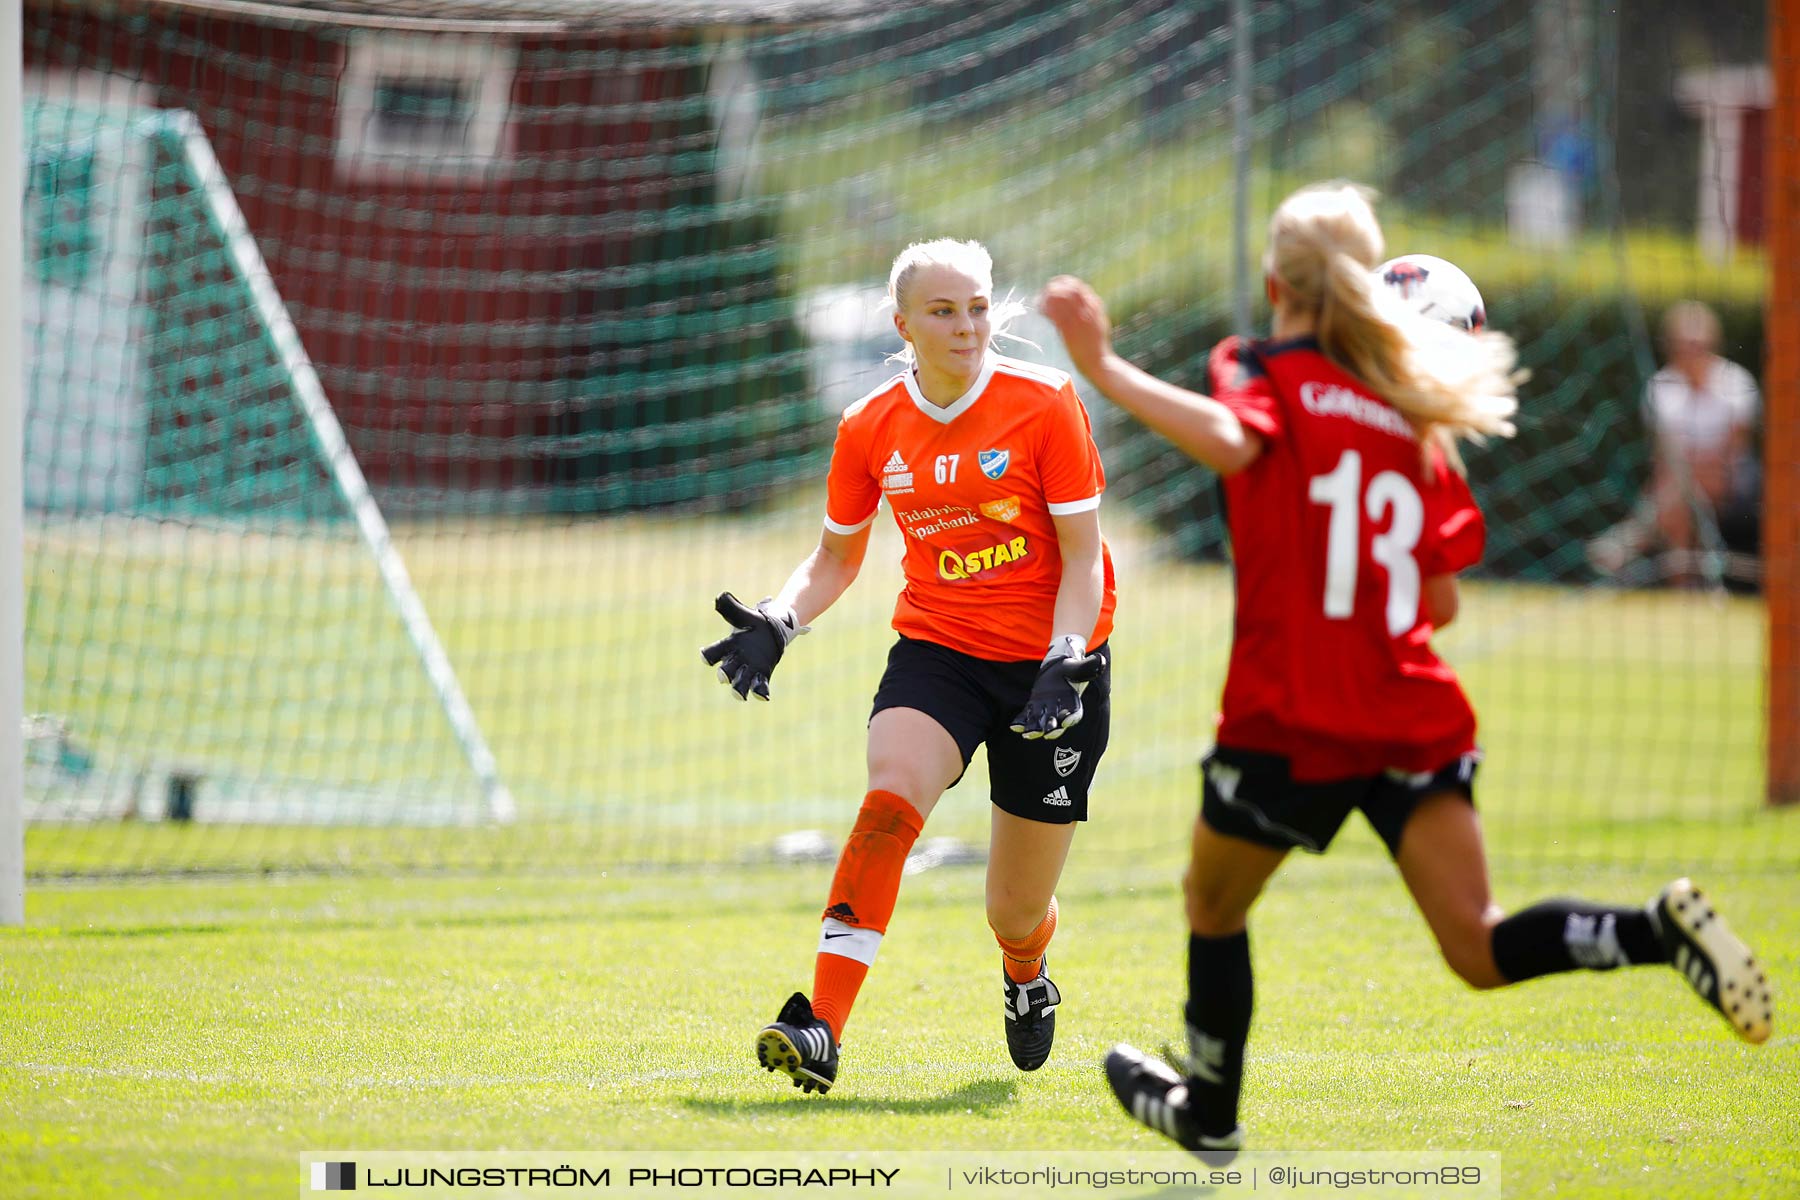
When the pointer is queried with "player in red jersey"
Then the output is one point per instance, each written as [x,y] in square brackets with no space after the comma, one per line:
[990,470]
[1349,519]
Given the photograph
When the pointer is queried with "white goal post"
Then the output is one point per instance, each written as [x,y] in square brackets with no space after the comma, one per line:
[12,470]
[217,212]
[284,341]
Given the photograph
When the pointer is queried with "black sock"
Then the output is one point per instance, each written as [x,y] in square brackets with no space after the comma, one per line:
[1220,995]
[1573,935]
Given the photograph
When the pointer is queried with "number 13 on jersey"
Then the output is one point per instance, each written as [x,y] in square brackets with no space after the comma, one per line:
[1341,490]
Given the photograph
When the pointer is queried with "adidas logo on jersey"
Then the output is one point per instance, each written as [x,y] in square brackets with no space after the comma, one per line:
[896,476]
[1058,798]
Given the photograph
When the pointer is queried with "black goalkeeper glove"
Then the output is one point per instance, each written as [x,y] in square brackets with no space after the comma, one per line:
[746,658]
[1055,702]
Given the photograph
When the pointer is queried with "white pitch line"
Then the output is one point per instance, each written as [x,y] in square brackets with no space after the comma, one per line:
[661,1074]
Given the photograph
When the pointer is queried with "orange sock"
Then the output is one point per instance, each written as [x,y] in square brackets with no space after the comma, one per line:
[836,980]
[1023,958]
[862,898]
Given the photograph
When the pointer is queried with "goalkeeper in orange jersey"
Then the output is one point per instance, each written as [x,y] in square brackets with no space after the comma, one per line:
[989,467]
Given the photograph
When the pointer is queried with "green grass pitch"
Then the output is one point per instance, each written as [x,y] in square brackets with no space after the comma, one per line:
[191,1037]
[1620,727]
[182,1039]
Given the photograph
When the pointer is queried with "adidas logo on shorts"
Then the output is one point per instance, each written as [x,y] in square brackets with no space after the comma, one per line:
[1058,798]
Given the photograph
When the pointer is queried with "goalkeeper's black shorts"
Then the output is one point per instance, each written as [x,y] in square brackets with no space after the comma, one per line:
[975,701]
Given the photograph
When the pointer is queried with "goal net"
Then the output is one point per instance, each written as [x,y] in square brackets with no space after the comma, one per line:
[196,518]
[405,378]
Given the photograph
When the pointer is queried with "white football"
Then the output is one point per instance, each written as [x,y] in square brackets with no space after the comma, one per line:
[1435,287]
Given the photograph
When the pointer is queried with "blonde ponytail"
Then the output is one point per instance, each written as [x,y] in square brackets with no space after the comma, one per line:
[1324,242]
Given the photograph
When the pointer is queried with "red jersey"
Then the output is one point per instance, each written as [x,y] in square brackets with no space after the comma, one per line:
[1334,529]
[974,487]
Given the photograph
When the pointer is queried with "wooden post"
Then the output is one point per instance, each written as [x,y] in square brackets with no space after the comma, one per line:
[1781,441]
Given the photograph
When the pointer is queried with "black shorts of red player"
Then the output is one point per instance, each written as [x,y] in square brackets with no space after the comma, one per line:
[1250,795]
[975,700]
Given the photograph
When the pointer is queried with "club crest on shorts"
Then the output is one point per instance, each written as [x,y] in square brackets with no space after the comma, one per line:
[994,462]
[1066,760]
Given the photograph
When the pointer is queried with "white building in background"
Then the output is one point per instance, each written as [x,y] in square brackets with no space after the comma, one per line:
[85,193]
[1733,106]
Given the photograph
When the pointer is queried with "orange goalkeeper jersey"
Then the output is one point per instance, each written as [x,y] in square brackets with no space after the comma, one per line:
[974,487]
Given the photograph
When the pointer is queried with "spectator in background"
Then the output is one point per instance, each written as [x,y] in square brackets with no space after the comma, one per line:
[1702,409]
